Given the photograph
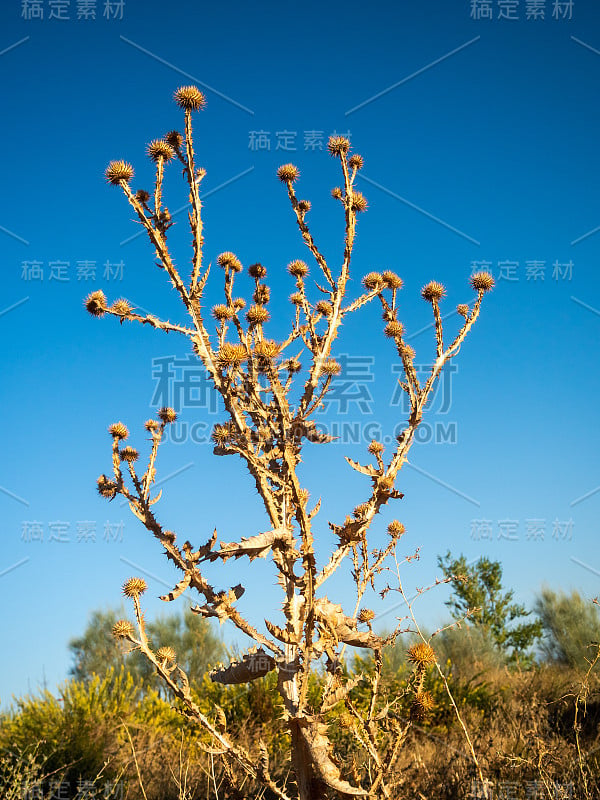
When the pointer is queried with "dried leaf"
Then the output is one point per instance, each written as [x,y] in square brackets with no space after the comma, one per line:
[279,633]
[368,470]
[340,693]
[179,588]
[314,734]
[253,665]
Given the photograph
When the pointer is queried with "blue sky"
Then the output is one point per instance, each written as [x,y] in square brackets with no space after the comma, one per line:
[480,145]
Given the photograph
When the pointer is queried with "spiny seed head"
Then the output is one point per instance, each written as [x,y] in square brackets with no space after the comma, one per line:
[160,150]
[421,654]
[298,268]
[356,161]
[304,206]
[106,487]
[324,308]
[433,292]
[266,348]
[366,615]
[330,367]
[134,587]
[96,303]
[336,193]
[293,365]
[175,139]
[262,294]
[257,271]
[167,415]
[257,315]
[151,425]
[373,280]
[346,720]
[221,434]
[296,299]
[121,307]
[142,195]
[118,431]
[482,281]
[359,202]
[122,629]
[222,312]
[229,260]
[166,654]
[288,173]
[406,351]
[190,98]
[239,303]
[338,145]
[391,280]
[231,355]
[463,309]
[394,329]
[118,171]
[375,447]
[129,454]
[395,528]
[423,702]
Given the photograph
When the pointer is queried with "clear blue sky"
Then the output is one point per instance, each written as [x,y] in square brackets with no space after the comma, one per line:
[480,139]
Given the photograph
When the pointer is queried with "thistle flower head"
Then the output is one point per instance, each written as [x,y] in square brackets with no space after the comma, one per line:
[231,355]
[118,171]
[433,292]
[463,309]
[293,365]
[394,329]
[482,281]
[288,173]
[151,425]
[222,312]
[239,303]
[304,206]
[356,161]
[421,654]
[167,415]
[359,202]
[190,98]
[257,315]
[338,145]
[375,447]
[296,299]
[129,454]
[122,629]
[336,193]
[422,703]
[229,260]
[324,308]
[395,528]
[160,150]
[118,431]
[407,351]
[142,195]
[391,280]
[134,587]
[257,271]
[373,280]
[222,433]
[175,139]
[166,654]
[121,307]
[298,268]
[106,487]
[366,615]
[96,303]
[266,349]
[330,367]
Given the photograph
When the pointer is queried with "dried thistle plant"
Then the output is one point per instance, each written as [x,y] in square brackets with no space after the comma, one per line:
[254,376]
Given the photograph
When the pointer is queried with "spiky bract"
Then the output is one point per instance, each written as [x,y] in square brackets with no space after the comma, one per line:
[190,98]
[118,171]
